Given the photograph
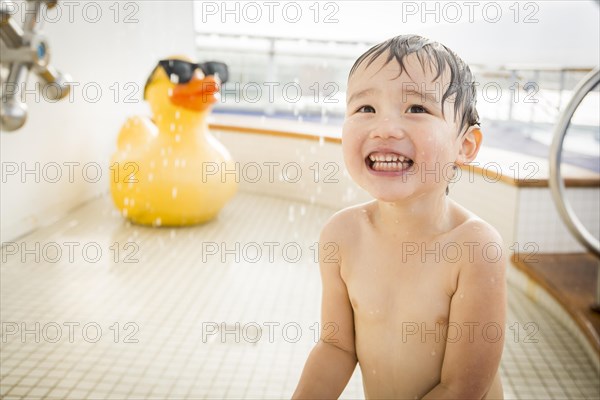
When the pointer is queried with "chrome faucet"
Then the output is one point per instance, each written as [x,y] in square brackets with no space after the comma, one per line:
[22,50]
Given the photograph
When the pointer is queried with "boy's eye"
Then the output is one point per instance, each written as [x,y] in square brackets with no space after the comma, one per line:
[366,109]
[416,109]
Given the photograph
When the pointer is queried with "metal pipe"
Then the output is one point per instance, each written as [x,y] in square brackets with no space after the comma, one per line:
[10,32]
[59,82]
[25,49]
[32,16]
[557,186]
[13,112]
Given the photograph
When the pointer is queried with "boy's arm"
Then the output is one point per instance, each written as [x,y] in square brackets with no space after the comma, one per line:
[476,323]
[333,359]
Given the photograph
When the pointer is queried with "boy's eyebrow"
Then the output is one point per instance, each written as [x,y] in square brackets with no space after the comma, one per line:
[432,98]
[362,93]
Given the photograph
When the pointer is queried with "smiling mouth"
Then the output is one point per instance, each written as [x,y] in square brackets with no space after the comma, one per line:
[388,162]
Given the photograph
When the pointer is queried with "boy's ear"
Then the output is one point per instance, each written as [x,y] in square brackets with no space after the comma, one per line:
[470,144]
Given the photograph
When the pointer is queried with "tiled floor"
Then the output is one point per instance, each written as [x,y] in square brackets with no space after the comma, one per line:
[184,319]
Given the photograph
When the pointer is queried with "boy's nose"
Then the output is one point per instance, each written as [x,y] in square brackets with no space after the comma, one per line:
[387,128]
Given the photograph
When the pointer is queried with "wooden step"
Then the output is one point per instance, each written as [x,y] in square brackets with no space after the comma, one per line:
[571,279]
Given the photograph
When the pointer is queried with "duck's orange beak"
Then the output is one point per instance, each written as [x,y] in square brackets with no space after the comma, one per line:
[197,94]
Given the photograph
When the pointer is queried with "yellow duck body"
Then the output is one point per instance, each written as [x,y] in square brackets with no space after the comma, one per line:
[167,171]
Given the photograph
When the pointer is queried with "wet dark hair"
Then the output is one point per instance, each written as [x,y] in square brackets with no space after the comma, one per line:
[462,82]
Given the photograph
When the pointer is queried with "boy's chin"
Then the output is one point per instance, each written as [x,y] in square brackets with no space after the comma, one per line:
[389,196]
[403,192]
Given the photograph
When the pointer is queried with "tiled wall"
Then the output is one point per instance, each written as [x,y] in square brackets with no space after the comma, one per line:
[540,225]
[493,201]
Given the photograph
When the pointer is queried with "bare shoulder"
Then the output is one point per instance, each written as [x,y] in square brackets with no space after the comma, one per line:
[343,231]
[346,223]
[481,241]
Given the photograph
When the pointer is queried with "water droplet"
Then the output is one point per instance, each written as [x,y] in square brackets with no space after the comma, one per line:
[321,141]
[183,163]
[177,114]
[374,372]
[150,177]
[157,222]
[174,192]
[126,201]
[302,210]
[178,138]
[397,221]
[152,164]
[461,295]
[165,162]
[433,353]
[124,212]
[177,163]
[291,214]
[172,127]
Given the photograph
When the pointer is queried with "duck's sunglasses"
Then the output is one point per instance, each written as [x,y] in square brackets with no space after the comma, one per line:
[181,72]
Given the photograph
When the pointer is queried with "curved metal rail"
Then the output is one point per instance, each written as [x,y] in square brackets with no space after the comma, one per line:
[557,185]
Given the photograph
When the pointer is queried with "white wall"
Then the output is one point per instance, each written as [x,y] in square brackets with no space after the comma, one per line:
[79,131]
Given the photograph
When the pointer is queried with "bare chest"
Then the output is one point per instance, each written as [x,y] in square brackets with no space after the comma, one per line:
[400,282]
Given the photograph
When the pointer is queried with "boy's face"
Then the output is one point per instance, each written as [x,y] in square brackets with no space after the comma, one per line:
[395,140]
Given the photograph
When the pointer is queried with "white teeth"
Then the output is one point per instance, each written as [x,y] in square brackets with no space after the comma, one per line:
[389,162]
[387,158]
[389,166]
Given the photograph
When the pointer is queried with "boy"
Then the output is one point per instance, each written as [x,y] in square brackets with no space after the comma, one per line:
[410,294]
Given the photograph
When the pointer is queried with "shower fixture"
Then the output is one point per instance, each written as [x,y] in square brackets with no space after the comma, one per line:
[24,49]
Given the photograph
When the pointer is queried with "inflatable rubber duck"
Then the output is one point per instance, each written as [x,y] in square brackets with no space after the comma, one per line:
[167,170]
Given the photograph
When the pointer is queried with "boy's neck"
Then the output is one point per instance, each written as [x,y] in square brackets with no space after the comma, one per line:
[426,215]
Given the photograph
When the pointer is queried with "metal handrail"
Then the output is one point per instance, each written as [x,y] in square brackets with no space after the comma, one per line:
[557,185]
